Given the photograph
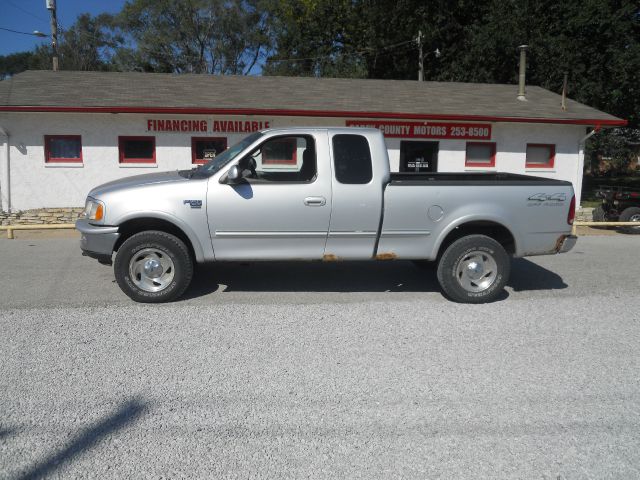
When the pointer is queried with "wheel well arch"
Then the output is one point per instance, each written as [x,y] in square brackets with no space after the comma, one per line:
[495,230]
[136,225]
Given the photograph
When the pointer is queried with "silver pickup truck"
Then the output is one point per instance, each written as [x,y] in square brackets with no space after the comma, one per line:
[322,194]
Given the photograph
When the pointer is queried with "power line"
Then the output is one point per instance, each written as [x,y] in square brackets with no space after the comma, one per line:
[23,33]
[25,11]
[380,51]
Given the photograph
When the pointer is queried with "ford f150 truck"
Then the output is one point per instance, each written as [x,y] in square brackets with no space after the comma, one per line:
[322,194]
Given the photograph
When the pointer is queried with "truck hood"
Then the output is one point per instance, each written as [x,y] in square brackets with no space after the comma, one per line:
[138,181]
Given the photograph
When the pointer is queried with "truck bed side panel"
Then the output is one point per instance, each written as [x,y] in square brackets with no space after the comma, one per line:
[419,216]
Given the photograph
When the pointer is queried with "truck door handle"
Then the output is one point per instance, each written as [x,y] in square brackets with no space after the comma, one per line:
[315,201]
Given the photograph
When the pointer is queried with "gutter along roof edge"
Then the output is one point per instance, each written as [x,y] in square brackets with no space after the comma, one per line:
[311,113]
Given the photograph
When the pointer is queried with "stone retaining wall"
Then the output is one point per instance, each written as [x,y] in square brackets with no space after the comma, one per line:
[41,216]
[584,215]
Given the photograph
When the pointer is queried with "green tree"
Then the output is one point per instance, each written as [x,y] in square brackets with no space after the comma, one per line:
[89,44]
[375,39]
[596,42]
[195,36]
[15,63]
[315,38]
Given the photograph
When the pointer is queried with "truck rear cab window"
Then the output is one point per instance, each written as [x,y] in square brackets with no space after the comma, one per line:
[63,148]
[137,149]
[480,154]
[352,159]
[540,155]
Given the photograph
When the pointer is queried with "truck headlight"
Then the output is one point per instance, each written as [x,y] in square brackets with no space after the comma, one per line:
[93,210]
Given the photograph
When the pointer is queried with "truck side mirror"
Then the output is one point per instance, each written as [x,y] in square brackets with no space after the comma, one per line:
[233,175]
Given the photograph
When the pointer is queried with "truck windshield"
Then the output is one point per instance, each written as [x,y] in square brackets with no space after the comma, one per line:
[229,154]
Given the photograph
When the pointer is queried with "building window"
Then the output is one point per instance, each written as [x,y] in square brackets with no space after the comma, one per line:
[280,151]
[480,154]
[419,156]
[540,155]
[352,159]
[63,149]
[204,149]
[137,149]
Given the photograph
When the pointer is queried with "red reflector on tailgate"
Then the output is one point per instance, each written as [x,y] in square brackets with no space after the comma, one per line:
[572,211]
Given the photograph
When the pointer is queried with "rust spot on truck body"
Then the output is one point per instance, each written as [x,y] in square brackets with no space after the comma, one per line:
[556,249]
[330,257]
[386,256]
[559,243]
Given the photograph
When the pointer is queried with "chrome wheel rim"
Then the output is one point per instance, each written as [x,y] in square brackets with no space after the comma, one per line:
[151,270]
[477,271]
[634,218]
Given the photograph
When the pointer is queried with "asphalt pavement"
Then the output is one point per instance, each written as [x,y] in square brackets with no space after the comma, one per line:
[342,370]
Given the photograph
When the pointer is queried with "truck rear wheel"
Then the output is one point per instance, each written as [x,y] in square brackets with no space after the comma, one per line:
[631,214]
[474,269]
[153,267]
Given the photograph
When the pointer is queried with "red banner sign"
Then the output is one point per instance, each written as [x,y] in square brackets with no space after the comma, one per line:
[203,126]
[172,125]
[474,131]
[238,126]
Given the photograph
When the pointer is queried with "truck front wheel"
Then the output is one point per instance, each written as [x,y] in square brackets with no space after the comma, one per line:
[153,267]
[474,269]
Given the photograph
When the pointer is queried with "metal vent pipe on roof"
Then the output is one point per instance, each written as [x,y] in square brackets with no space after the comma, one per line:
[523,72]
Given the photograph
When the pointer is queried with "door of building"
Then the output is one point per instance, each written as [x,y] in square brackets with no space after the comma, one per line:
[419,157]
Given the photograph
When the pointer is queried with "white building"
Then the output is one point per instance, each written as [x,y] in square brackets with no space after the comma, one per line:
[62,133]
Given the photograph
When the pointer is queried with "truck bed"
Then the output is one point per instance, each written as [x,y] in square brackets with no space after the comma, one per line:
[472,178]
[420,209]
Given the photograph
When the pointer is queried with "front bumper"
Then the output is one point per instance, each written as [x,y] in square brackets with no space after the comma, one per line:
[96,241]
[568,243]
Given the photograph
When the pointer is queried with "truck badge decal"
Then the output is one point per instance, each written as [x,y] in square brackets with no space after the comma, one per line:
[548,197]
[193,203]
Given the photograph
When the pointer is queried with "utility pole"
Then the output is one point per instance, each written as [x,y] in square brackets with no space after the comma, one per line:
[51,6]
[420,58]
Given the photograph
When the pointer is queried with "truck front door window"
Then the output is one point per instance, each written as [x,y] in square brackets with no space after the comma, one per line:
[281,159]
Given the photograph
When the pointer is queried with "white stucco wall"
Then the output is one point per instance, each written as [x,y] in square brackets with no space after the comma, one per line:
[35,184]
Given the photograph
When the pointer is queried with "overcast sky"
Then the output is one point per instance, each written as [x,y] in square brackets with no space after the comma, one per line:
[30,15]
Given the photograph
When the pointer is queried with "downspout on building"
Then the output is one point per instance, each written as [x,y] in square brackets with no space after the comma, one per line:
[5,185]
[582,144]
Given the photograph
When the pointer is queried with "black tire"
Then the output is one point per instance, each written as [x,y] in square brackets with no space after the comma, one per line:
[157,243]
[599,215]
[631,214]
[494,269]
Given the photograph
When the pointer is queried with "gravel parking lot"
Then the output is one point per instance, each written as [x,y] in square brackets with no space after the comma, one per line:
[339,370]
